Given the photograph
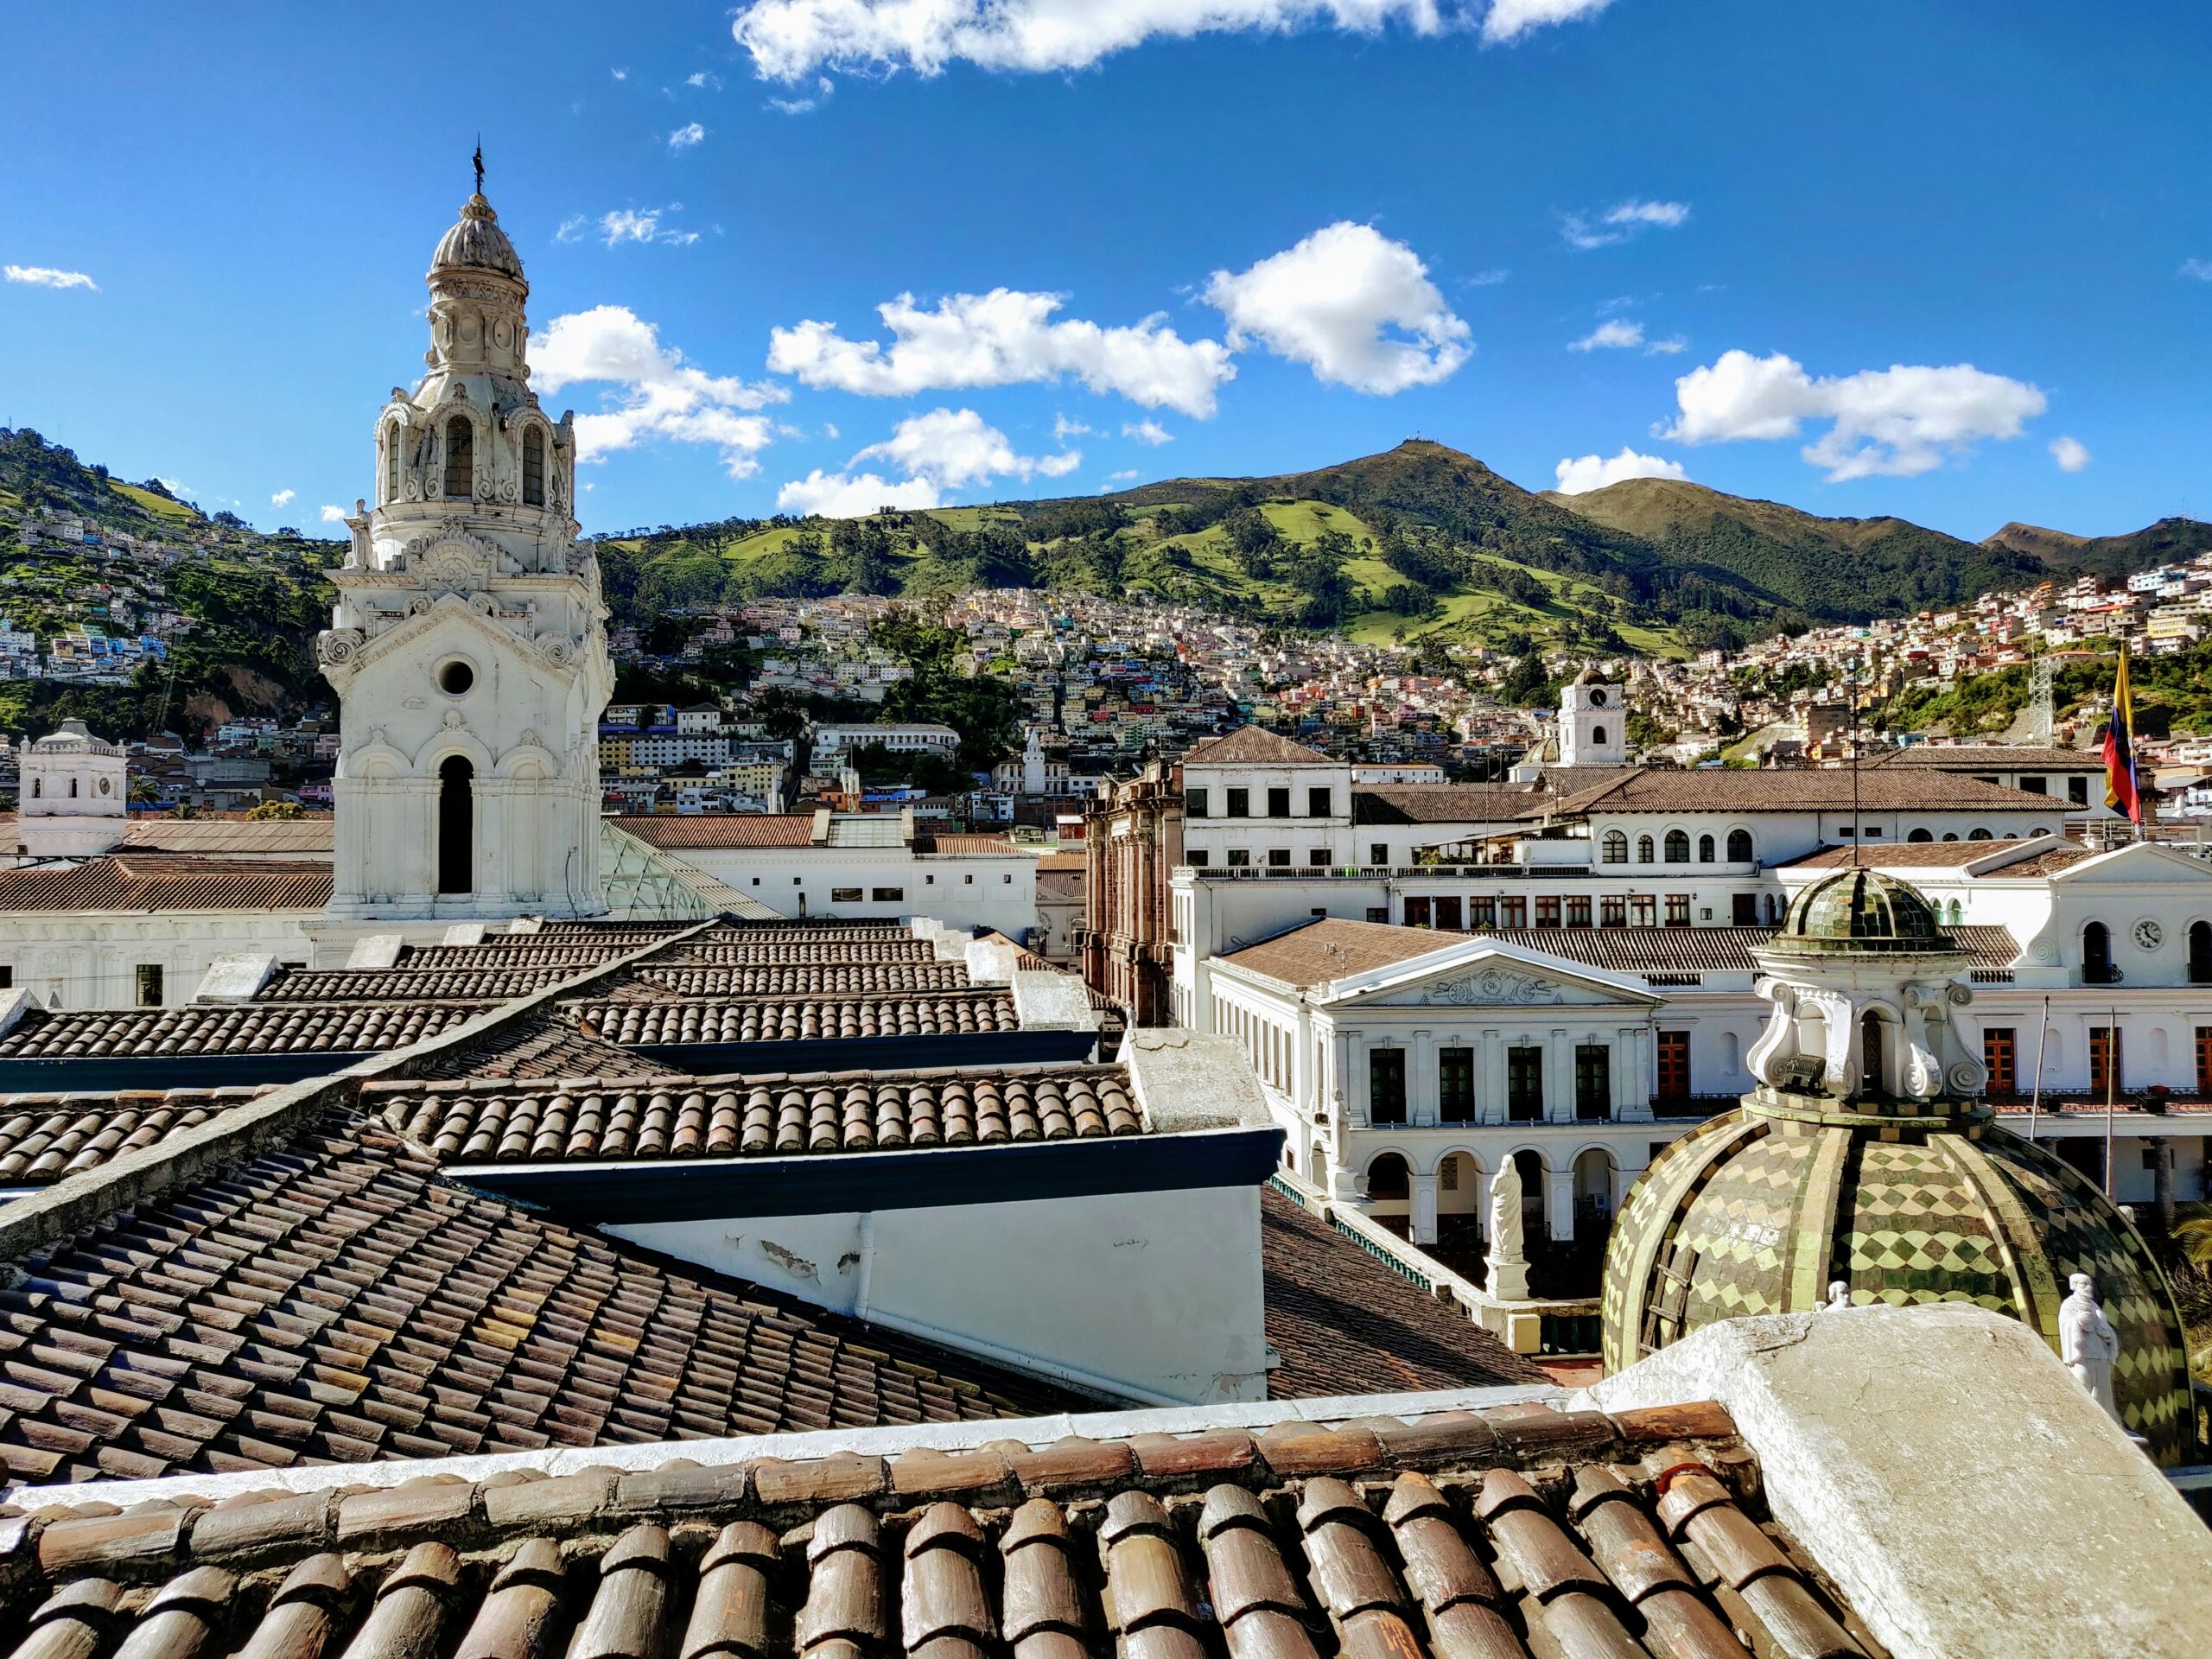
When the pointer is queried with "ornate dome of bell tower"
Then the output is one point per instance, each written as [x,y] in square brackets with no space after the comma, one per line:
[467,646]
[1864,1158]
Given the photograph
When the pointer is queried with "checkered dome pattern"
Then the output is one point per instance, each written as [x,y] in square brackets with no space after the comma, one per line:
[1758,1213]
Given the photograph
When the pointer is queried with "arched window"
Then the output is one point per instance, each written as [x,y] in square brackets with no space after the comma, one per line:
[38,787]
[533,468]
[1951,835]
[2096,955]
[1678,846]
[460,459]
[1977,835]
[1921,834]
[1705,850]
[1739,846]
[1387,1178]
[1597,737]
[72,788]
[1643,850]
[1613,849]
[456,825]
[391,464]
[1958,913]
[2200,953]
[1873,1073]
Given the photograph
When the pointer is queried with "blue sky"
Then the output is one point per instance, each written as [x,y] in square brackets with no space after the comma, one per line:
[1952,262]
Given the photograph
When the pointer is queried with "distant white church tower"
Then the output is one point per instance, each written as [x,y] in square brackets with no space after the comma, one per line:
[467,645]
[1593,723]
[72,794]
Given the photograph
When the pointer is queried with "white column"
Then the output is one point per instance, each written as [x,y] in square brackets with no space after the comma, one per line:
[1424,1209]
[1558,1077]
[1420,1107]
[1355,1082]
[1558,1202]
[1622,1066]
[1482,1204]
[1490,1096]
[1625,1177]
[1638,1050]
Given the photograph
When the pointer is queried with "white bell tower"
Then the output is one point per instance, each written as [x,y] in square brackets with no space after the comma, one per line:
[467,646]
[1593,723]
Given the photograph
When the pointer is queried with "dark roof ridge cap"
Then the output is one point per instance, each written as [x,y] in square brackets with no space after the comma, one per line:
[1023,1072]
[78,1201]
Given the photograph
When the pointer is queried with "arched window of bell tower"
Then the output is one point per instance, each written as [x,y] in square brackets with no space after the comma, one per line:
[533,468]
[460,459]
[391,464]
[456,825]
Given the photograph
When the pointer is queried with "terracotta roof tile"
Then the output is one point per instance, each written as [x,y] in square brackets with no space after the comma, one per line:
[1400,803]
[45,1137]
[1980,757]
[2007,858]
[153,881]
[961,846]
[334,1300]
[755,1116]
[805,1019]
[265,837]
[731,829]
[655,979]
[1631,1533]
[1331,948]
[550,1046]
[406,983]
[1344,1322]
[1731,789]
[1250,745]
[240,1028]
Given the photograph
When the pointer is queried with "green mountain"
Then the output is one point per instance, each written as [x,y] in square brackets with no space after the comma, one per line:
[255,600]
[1421,543]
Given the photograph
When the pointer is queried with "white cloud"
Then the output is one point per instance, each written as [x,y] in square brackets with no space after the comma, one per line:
[2071,454]
[822,87]
[1124,475]
[334,515]
[1671,346]
[1064,428]
[1005,338]
[1898,421]
[1151,432]
[941,451]
[570,229]
[46,277]
[1594,472]
[2199,269]
[686,136]
[705,80]
[283,498]
[1621,221]
[176,487]
[1616,333]
[791,39]
[1509,20]
[656,394]
[643,225]
[832,495]
[1350,303]
[620,74]
[1490,278]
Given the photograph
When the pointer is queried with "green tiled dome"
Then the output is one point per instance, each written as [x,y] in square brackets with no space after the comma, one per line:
[1859,909]
[1758,1211]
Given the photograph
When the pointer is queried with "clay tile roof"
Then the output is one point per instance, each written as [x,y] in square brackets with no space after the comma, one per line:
[1344,1322]
[735,950]
[652,979]
[1331,948]
[961,846]
[1422,1539]
[409,983]
[551,1045]
[45,1137]
[268,837]
[1976,756]
[239,1028]
[797,1018]
[332,1300]
[730,830]
[1062,862]
[1942,854]
[155,881]
[1251,745]
[630,1115]
[1400,803]
[1729,789]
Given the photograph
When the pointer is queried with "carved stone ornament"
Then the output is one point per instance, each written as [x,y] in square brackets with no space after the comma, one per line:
[483,604]
[556,649]
[455,720]
[335,647]
[1491,985]
[418,606]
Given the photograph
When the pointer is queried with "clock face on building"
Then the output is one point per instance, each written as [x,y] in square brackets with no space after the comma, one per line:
[106,785]
[2148,934]
[1596,699]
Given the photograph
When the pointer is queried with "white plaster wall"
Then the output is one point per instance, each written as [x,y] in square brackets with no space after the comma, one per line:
[89,959]
[1148,1296]
[961,891]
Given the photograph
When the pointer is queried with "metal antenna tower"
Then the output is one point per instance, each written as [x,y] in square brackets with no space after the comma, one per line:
[2043,711]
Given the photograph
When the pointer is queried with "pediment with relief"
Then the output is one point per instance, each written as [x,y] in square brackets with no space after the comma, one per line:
[1496,985]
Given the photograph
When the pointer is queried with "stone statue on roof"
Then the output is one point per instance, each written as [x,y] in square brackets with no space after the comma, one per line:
[1509,1265]
[2088,1342]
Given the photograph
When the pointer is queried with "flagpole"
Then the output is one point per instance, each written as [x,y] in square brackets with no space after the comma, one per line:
[2035,1100]
[2112,1082]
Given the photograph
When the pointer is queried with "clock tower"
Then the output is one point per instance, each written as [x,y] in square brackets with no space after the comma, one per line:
[467,645]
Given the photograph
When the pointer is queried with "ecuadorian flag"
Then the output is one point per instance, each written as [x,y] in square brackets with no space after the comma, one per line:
[2120,793]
